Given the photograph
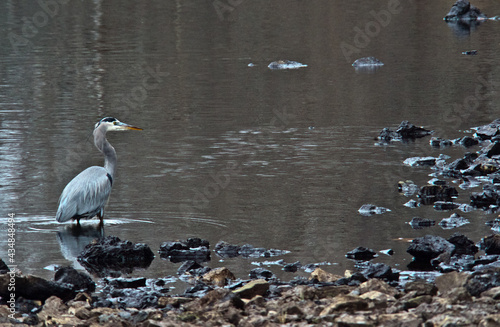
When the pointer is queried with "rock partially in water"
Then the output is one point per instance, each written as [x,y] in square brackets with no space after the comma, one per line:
[463,245]
[463,10]
[429,247]
[285,64]
[361,253]
[226,250]
[490,244]
[419,223]
[407,188]
[192,249]
[81,282]
[454,221]
[429,194]
[371,209]
[380,271]
[33,288]
[470,53]
[261,273]
[3,267]
[405,131]
[367,62]
[420,161]
[488,131]
[111,256]
[440,143]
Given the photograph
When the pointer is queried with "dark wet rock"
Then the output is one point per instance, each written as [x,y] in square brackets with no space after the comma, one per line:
[371,209]
[3,267]
[440,143]
[285,64]
[463,10]
[405,131]
[494,224]
[110,256]
[486,199]
[467,141]
[429,247]
[34,288]
[380,271]
[453,221]
[445,206]
[490,244]
[127,282]
[493,149]
[226,250]
[292,267]
[429,194]
[81,282]
[261,273]
[361,253]
[193,268]
[488,131]
[419,223]
[463,245]
[192,249]
[470,52]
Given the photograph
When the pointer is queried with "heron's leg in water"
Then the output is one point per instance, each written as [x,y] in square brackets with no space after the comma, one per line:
[101,218]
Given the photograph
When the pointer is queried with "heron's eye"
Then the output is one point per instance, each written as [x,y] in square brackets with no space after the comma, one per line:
[114,123]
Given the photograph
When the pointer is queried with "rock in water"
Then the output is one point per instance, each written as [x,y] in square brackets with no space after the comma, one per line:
[453,221]
[285,64]
[429,247]
[81,282]
[406,131]
[371,209]
[463,10]
[111,255]
[367,62]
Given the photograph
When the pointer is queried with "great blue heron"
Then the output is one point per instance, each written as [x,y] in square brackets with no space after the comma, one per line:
[87,194]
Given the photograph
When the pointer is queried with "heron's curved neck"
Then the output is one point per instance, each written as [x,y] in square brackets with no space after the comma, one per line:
[107,150]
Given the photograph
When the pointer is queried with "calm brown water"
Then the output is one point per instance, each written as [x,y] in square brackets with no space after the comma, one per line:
[277,159]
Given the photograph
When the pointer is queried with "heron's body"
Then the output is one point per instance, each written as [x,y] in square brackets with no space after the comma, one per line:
[87,194]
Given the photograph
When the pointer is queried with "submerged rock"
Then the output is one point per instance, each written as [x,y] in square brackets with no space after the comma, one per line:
[371,209]
[285,64]
[463,10]
[111,256]
[408,188]
[420,161]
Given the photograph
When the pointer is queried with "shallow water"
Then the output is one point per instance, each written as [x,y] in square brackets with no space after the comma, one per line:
[244,154]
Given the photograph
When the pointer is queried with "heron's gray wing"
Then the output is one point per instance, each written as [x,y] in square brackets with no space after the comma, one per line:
[86,194]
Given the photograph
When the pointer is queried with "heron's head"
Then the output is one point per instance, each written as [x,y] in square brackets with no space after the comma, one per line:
[113,124]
